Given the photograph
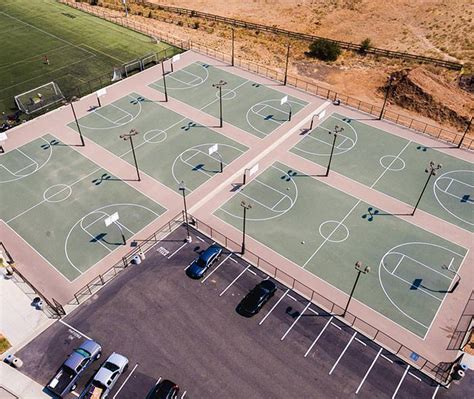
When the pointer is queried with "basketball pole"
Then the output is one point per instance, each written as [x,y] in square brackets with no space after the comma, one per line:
[77,122]
[465,133]
[129,137]
[387,92]
[286,64]
[233,37]
[164,78]
[246,207]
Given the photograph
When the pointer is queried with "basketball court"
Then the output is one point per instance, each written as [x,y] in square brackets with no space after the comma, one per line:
[325,231]
[169,147]
[58,202]
[394,166]
[253,107]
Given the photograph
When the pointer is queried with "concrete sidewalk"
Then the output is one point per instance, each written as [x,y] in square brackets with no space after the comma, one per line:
[14,384]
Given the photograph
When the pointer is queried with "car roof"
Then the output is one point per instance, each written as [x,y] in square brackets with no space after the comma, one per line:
[104,374]
[210,251]
[267,284]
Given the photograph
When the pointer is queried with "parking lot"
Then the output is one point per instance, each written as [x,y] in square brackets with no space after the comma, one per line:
[170,326]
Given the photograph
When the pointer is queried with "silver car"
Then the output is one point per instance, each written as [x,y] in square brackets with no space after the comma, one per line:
[106,377]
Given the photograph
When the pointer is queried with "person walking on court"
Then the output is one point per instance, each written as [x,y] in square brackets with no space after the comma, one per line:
[46,60]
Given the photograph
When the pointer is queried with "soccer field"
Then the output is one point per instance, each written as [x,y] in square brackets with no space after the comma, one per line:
[78,46]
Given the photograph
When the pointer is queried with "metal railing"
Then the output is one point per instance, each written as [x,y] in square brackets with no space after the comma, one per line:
[464,325]
[418,126]
[303,36]
[439,372]
[141,247]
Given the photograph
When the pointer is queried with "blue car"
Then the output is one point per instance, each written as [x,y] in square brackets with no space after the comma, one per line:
[198,268]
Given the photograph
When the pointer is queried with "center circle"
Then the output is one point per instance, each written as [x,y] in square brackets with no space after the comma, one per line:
[227,94]
[155,136]
[392,162]
[61,191]
[334,231]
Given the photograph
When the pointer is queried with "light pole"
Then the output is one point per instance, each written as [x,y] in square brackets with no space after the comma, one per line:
[219,86]
[124,2]
[387,92]
[182,188]
[360,269]
[431,170]
[246,206]
[286,64]
[164,78]
[465,132]
[71,100]
[232,57]
[129,136]
[456,274]
[337,130]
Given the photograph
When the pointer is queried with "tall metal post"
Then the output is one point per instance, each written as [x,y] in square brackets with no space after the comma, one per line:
[125,6]
[233,37]
[431,170]
[337,130]
[219,86]
[246,206]
[182,188]
[129,136]
[286,64]
[387,92]
[164,78]
[360,269]
[465,132]
[77,122]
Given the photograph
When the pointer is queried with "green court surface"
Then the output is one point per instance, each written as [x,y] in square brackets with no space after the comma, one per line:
[252,107]
[169,147]
[57,201]
[326,231]
[395,166]
[79,47]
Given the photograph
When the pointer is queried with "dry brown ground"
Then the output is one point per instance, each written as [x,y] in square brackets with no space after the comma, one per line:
[439,28]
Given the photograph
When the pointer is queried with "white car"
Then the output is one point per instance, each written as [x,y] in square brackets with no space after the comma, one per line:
[106,377]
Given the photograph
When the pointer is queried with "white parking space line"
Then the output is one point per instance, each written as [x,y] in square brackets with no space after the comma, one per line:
[126,379]
[435,392]
[342,353]
[360,342]
[368,371]
[312,310]
[296,321]
[200,239]
[75,393]
[273,307]
[251,271]
[179,249]
[184,394]
[414,376]
[401,381]
[234,260]
[335,325]
[217,267]
[74,329]
[186,268]
[233,281]
[386,358]
[292,297]
[319,336]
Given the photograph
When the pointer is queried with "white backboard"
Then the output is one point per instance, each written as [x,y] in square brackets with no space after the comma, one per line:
[284,100]
[101,92]
[111,219]
[3,136]
[213,149]
[322,114]
[176,58]
[253,170]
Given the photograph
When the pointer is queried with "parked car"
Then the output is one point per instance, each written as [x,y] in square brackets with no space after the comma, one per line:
[106,377]
[257,297]
[165,389]
[198,268]
[65,379]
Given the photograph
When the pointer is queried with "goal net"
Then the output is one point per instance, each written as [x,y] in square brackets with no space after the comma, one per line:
[118,74]
[132,67]
[149,60]
[39,98]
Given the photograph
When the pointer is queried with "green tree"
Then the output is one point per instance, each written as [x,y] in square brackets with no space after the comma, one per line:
[365,45]
[324,50]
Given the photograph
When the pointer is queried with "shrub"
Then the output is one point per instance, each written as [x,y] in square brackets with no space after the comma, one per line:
[196,25]
[364,46]
[324,50]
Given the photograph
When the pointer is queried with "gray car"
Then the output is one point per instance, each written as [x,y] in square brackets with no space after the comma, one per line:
[106,377]
[65,379]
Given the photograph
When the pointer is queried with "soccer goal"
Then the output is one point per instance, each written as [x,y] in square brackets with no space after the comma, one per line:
[132,67]
[39,98]
[118,74]
[149,60]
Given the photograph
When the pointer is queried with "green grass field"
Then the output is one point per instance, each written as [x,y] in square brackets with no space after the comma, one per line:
[80,47]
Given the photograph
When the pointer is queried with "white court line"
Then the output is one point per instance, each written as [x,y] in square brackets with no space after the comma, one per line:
[401,380]
[418,288]
[121,109]
[450,263]
[258,202]
[296,321]
[189,84]
[74,329]
[274,206]
[398,264]
[217,267]
[390,165]
[104,117]
[386,358]
[421,263]
[449,185]
[235,279]
[435,392]
[342,353]
[368,371]
[179,249]
[273,307]
[126,379]
[319,336]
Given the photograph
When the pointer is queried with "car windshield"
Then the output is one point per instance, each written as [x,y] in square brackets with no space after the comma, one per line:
[110,366]
[82,352]
[200,262]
